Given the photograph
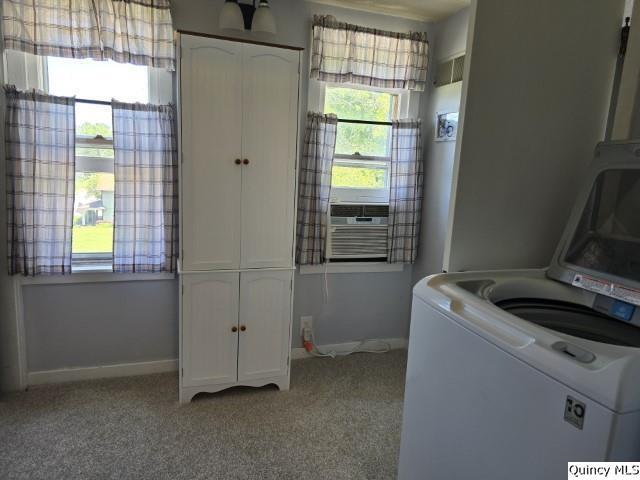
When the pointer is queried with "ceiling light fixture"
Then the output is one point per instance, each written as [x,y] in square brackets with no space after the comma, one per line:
[246,16]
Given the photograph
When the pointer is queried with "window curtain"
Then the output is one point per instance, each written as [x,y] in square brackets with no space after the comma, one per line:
[342,52]
[40,156]
[145,230]
[131,31]
[315,187]
[405,195]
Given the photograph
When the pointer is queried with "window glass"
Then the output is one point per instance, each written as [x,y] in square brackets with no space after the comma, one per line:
[93,213]
[357,104]
[94,184]
[98,80]
[365,140]
[366,105]
[359,176]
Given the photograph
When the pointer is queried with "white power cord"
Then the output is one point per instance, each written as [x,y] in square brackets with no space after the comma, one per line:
[365,346]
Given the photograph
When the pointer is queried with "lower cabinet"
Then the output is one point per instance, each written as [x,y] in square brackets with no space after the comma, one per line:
[235,330]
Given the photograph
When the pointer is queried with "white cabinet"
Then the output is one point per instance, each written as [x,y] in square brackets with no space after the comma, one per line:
[265,312]
[238,107]
[239,129]
[270,130]
[211,140]
[209,329]
[236,330]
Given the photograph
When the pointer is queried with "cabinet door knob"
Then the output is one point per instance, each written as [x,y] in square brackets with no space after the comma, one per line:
[242,328]
[246,161]
[238,161]
[234,329]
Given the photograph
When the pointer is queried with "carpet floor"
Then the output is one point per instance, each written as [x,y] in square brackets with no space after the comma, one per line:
[340,420]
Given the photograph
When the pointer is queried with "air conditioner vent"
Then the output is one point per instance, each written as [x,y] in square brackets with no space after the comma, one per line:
[358,232]
[358,241]
[347,210]
[443,73]
[450,71]
[376,210]
[458,69]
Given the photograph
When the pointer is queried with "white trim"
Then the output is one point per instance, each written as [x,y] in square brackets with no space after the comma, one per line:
[395,344]
[63,375]
[105,371]
[94,277]
[351,267]
[21,338]
[233,270]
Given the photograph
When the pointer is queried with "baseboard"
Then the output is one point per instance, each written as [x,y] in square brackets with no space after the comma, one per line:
[105,371]
[394,343]
[160,366]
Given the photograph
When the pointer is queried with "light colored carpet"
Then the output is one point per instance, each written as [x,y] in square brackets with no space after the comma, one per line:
[340,420]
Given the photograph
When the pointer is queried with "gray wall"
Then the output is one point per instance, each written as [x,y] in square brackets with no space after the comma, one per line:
[77,325]
[356,306]
[449,40]
[83,325]
[536,98]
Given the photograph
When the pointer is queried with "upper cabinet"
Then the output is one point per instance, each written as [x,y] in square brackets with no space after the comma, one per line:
[239,130]
[211,141]
[269,137]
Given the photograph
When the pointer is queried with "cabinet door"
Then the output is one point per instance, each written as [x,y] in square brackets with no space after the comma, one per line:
[269,139]
[265,312]
[209,315]
[210,101]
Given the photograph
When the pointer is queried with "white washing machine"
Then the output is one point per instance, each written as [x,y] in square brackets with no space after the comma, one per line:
[512,374]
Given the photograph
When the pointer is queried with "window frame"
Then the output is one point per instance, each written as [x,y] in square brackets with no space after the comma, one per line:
[28,71]
[360,194]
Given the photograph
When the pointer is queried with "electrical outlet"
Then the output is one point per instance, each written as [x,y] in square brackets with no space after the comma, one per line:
[306,322]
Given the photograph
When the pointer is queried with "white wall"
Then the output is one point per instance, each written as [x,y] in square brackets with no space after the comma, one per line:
[536,97]
[449,40]
[79,325]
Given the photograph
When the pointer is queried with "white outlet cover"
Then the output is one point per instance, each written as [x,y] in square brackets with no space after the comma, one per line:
[306,321]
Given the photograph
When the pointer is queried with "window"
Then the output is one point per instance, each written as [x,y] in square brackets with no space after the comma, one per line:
[363,144]
[95,84]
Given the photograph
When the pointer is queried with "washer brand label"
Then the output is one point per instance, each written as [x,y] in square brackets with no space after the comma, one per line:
[574,411]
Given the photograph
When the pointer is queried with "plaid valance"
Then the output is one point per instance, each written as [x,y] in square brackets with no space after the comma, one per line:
[342,52]
[128,31]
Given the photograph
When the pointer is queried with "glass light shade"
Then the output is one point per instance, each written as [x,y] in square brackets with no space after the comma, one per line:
[231,16]
[263,20]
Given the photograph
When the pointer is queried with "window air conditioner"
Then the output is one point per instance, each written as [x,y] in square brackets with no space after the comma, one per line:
[357,232]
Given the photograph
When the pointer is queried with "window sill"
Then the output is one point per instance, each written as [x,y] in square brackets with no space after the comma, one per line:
[93,275]
[351,267]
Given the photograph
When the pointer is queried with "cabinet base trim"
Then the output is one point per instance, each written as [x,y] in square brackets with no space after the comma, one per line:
[187,393]
[394,343]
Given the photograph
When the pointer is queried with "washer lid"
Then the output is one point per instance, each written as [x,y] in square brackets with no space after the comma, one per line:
[600,248]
